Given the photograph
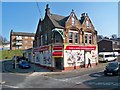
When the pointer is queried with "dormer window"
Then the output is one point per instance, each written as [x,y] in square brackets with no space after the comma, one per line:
[73,20]
[87,24]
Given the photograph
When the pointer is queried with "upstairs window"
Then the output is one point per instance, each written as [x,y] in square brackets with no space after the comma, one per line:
[73,21]
[86,38]
[37,41]
[76,38]
[70,37]
[87,24]
[46,37]
[41,40]
[118,43]
[90,39]
[73,37]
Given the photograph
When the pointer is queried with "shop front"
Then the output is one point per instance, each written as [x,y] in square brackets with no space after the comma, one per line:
[58,57]
[67,57]
[77,56]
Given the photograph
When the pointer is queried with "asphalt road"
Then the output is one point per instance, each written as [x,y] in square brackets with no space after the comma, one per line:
[90,80]
[82,78]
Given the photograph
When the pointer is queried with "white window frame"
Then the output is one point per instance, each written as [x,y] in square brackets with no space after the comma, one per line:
[38,42]
[41,40]
[71,37]
[73,20]
[77,37]
[88,34]
[90,39]
[86,38]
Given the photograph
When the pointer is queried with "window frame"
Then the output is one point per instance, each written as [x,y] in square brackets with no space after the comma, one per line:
[90,39]
[76,38]
[73,37]
[70,37]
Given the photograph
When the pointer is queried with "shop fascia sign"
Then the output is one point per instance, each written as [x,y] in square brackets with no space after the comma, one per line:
[80,48]
[57,47]
[43,48]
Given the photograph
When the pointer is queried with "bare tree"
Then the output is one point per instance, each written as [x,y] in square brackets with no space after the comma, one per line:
[3,40]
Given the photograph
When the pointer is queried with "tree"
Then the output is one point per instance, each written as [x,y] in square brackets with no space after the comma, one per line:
[3,40]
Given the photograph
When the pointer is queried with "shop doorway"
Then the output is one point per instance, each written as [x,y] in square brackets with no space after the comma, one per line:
[86,56]
[59,63]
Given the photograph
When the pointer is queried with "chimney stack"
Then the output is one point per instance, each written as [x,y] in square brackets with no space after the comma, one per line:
[47,10]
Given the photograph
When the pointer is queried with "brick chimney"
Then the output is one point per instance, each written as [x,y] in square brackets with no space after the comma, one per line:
[47,10]
[83,15]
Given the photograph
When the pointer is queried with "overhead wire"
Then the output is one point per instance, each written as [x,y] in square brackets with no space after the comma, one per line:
[39,9]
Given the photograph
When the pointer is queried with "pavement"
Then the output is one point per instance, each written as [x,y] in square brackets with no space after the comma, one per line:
[34,70]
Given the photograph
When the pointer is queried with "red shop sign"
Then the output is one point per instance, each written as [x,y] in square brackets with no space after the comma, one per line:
[57,53]
[41,49]
[80,48]
[57,47]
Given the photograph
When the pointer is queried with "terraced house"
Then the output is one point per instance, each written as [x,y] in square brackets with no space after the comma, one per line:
[65,42]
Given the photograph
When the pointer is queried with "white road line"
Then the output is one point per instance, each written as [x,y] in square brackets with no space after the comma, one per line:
[104,83]
[77,80]
[2,82]
[11,86]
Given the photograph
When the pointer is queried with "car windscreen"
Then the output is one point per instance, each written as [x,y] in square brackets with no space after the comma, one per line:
[101,56]
[24,62]
[112,65]
[108,56]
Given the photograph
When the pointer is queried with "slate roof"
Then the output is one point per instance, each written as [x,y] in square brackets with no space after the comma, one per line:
[58,20]
[82,20]
[23,34]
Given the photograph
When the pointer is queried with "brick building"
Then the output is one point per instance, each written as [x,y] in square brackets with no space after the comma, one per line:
[21,40]
[65,42]
[109,45]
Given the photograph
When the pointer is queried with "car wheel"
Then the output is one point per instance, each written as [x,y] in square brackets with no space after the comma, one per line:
[105,74]
[106,60]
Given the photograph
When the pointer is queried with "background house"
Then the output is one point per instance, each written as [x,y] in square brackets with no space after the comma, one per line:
[21,40]
[109,45]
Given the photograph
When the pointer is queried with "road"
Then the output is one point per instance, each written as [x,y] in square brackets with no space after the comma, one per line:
[82,78]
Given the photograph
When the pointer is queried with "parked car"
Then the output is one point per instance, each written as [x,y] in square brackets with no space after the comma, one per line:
[24,64]
[112,68]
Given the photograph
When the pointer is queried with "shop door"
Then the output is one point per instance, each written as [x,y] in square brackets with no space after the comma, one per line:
[58,63]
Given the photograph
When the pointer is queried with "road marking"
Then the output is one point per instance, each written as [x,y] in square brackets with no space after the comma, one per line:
[11,86]
[2,82]
[104,83]
[98,75]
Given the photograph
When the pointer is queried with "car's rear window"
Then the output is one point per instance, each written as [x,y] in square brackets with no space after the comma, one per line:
[113,64]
